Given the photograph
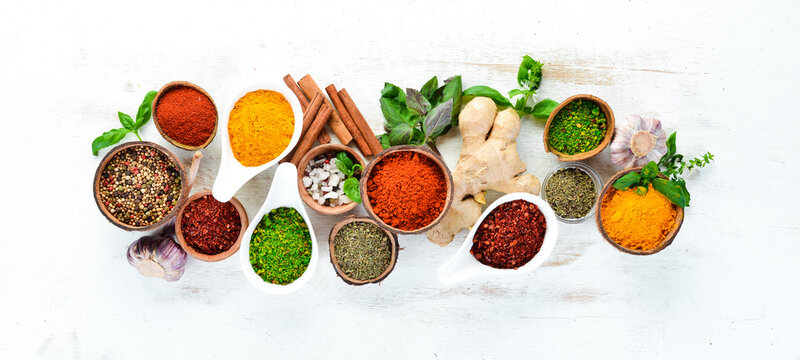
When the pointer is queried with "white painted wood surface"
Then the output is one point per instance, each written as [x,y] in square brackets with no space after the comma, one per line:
[723,74]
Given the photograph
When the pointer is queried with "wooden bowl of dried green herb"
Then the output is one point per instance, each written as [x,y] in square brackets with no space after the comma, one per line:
[579,128]
[361,251]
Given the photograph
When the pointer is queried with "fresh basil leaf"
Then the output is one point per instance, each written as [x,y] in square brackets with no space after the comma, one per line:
[529,75]
[384,139]
[650,171]
[438,119]
[126,121]
[429,88]
[401,134]
[515,92]
[453,91]
[145,110]
[627,180]
[357,167]
[417,137]
[682,183]
[394,112]
[641,190]
[416,102]
[672,191]
[480,90]
[108,138]
[544,108]
[671,149]
[344,164]
[520,104]
[351,189]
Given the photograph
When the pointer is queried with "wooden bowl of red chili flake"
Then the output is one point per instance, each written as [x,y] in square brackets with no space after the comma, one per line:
[185,115]
[139,186]
[210,230]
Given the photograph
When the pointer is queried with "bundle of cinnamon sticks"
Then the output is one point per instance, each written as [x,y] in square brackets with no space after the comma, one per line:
[340,113]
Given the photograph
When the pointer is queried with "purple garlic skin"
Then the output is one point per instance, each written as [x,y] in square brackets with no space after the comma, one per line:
[638,141]
[158,256]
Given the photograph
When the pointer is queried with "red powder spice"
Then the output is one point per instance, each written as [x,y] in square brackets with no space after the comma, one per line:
[407,190]
[186,115]
[510,236]
[209,226]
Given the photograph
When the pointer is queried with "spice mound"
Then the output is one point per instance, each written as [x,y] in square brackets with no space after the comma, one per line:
[280,249]
[362,250]
[407,190]
[637,222]
[140,185]
[209,226]
[578,127]
[186,115]
[260,127]
[324,181]
[571,193]
[510,236]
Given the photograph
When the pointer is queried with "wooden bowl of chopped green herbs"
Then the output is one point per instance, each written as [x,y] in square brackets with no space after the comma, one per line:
[579,128]
[139,186]
[361,251]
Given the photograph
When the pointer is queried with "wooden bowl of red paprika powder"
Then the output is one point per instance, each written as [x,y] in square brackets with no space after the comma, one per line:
[185,115]
[209,230]
[406,189]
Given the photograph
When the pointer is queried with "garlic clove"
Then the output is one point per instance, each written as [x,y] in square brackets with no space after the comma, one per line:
[638,141]
[158,256]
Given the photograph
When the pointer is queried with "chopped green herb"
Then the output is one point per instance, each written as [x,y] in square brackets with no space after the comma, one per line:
[578,127]
[280,249]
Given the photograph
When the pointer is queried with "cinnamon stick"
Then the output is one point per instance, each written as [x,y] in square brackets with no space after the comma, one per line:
[308,118]
[361,122]
[323,138]
[309,86]
[348,121]
[313,131]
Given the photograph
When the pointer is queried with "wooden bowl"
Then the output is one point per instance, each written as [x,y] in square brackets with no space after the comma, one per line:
[109,156]
[422,151]
[319,150]
[205,257]
[170,86]
[587,154]
[339,272]
[599,220]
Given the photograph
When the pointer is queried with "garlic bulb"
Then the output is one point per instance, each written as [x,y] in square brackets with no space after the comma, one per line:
[638,142]
[158,256]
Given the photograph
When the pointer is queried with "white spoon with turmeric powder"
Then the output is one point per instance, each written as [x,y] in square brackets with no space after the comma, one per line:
[260,127]
[463,265]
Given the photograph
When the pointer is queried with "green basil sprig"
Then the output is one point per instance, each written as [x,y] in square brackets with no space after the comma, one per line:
[672,166]
[114,136]
[346,166]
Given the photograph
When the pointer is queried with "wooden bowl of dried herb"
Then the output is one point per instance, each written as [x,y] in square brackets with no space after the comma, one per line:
[407,189]
[579,128]
[637,224]
[361,251]
[209,230]
[325,161]
[139,186]
[185,115]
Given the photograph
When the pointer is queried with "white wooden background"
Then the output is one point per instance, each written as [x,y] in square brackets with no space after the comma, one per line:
[724,74]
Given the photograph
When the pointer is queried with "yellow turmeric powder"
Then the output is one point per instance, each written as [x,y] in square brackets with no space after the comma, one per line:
[637,222]
[260,127]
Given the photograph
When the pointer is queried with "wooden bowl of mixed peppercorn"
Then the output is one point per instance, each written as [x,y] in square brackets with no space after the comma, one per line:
[579,128]
[361,251]
[209,230]
[139,186]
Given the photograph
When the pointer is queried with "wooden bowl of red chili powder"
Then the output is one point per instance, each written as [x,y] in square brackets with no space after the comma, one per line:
[406,189]
[185,115]
[210,230]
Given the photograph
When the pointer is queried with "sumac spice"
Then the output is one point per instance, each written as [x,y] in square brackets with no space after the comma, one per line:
[209,226]
[510,236]
[186,115]
[407,190]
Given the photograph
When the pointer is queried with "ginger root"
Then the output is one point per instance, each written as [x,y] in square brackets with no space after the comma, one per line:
[486,163]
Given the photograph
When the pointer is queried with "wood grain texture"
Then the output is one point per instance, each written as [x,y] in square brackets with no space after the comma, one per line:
[724,76]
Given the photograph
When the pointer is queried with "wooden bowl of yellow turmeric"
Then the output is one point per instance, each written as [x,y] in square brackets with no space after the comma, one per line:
[634,224]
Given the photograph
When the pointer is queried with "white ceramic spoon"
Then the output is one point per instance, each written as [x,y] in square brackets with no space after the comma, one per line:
[232,174]
[282,193]
[463,265]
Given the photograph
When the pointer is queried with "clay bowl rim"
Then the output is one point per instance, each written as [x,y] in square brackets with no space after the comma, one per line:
[107,159]
[347,279]
[307,199]
[679,216]
[437,159]
[169,86]
[245,221]
[610,126]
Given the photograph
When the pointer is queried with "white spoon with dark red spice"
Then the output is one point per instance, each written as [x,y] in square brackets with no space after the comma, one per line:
[463,265]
